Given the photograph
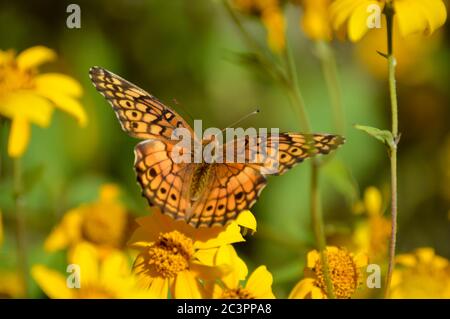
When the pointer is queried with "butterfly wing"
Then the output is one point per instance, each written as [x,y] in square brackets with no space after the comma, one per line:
[140,114]
[163,182]
[276,154]
[236,186]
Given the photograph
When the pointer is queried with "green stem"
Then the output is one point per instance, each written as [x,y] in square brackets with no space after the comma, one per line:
[262,57]
[20,224]
[292,87]
[393,149]
[317,221]
[329,69]
[316,209]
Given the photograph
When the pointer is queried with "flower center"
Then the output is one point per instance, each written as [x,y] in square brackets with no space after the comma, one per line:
[238,293]
[12,78]
[171,253]
[103,225]
[343,272]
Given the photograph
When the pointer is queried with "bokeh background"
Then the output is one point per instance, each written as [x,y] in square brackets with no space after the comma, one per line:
[185,53]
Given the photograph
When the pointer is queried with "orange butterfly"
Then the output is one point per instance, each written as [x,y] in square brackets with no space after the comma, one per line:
[202,194]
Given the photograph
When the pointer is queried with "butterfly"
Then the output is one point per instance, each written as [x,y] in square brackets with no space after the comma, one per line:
[202,194]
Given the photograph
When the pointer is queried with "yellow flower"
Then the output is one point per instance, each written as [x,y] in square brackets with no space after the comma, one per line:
[29,97]
[271,16]
[173,256]
[98,277]
[104,223]
[344,269]
[413,16]
[258,285]
[421,274]
[11,285]
[372,235]
[315,21]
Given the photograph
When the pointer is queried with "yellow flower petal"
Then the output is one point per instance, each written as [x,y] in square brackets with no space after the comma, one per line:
[141,237]
[372,201]
[425,254]
[231,234]
[151,227]
[260,282]
[317,293]
[67,232]
[206,256]
[406,260]
[6,56]
[159,287]
[341,10]
[302,289]
[417,16]
[35,56]
[361,260]
[86,256]
[19,137]
[11,284]
[51,282]
[410,18]
[29,105]
[186,286]
[113,267]
[56,82]
[315,21]
[109,192]
[311,258]
[209,273]
[247,219]
[273,20]
[226,255]
[67,104]
[357,25]
[436,13]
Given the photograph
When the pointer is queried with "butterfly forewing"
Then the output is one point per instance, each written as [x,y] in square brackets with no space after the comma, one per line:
[140,114]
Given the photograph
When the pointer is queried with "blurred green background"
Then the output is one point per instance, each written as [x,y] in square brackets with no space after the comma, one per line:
[186,50]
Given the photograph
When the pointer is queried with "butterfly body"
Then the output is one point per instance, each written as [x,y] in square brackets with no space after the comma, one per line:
[201,177]
[202,193]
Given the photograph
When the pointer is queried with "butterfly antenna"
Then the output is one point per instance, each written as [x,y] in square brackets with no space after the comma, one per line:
[175,101]
[243,118]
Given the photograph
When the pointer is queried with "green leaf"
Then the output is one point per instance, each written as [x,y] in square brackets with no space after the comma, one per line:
[384,55]
[383,136]
[246,58]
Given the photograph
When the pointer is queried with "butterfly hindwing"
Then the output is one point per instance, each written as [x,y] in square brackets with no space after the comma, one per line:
[140,114]
[233,188]
[163,182]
